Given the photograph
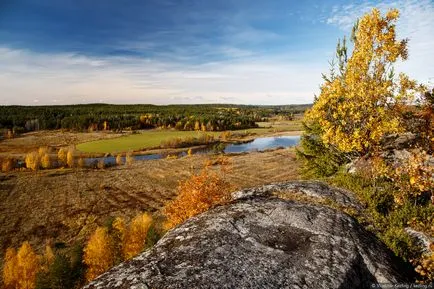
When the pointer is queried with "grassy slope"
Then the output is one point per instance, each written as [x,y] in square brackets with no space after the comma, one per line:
[65,205]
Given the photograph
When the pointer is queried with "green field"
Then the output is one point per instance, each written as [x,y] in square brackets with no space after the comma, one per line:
[144,140]
[153,138]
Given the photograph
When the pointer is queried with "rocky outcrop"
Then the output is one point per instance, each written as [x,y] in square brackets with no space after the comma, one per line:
[261,240]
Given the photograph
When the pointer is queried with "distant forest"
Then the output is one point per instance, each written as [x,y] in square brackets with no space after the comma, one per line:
[92,117]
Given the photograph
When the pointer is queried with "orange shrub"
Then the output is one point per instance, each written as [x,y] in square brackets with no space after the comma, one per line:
[196,195]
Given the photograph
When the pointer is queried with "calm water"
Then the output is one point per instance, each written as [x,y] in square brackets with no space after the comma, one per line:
[263,143]
[258,144]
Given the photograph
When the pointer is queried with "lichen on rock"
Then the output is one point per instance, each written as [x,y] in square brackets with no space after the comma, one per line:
[262,241]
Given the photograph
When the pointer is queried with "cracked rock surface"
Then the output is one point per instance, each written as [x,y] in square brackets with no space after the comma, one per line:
[261,241]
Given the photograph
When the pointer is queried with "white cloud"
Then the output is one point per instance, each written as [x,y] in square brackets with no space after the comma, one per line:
[416,23]
[66,78]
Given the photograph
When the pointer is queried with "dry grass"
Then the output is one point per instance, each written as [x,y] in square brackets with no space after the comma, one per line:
[28,142]
[67,204]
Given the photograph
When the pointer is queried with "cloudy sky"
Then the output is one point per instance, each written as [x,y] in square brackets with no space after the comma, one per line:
[186,51]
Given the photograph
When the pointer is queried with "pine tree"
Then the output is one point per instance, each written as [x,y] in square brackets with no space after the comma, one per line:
[319,160]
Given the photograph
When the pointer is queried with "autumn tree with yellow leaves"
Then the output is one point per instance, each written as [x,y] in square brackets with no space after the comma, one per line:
[20,268]
[98,254]
[361,104]
[135,238]
[10,272]
[32,161]
[131,240]
[61,155]
[356,107]
[70,159]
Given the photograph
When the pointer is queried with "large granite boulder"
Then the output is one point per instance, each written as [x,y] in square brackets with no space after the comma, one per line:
[264,239]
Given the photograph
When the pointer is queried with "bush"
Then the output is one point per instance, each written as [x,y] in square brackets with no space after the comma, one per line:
[195,196]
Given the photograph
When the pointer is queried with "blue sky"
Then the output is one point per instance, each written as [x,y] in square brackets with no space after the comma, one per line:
[171,51]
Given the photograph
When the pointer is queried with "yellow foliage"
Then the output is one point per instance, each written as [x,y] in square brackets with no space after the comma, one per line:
[197,125]
[119,161]
[195,196]
[32,161]
[61,155]
[414,176]
[49,254]
[356,108]
[189,152]
[426,267]
[226,135]
[42,151]
[129,159]
[27,267]
[48,258]
[10,266]
[46,161]
[134,240]
[120,231]
[98,254]
[70,158]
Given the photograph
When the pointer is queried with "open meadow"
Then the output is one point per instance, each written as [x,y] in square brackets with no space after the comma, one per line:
[65,205]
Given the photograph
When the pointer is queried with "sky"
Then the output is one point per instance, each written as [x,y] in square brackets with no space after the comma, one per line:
[186,51]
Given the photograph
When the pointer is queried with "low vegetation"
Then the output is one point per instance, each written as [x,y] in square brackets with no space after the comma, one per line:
[361,104]
[196,195]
